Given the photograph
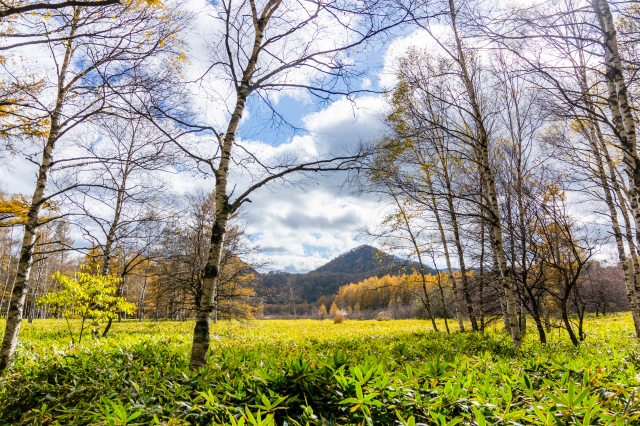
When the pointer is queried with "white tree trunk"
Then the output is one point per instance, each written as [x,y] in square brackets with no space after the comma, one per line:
[482,147]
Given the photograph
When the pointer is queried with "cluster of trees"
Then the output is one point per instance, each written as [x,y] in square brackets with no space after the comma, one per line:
[394,294]
[508,142]
[158,268]
[405,296]
[491,134]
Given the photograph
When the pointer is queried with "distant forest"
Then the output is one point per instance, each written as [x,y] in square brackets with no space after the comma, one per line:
[353,266]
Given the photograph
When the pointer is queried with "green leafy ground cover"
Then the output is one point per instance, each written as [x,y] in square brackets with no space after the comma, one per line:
[317,373]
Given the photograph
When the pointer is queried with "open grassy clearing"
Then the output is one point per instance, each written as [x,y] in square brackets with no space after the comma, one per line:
[317,373]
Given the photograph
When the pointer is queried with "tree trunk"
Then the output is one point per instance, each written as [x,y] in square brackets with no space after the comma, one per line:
[16,304]
[481,267]
[541,332]
[444,306]
[142,295]
[622,114]
[463,269]
[567,323]
[445,248]
[157,302]
[6,281]
[208,302]
[18,296]
[494,209]
[117,212]
[34,294]
[629,279]
[209,285]
[593,133]
[414,242]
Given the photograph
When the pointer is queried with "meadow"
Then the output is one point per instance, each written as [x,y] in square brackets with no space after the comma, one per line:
[310,372]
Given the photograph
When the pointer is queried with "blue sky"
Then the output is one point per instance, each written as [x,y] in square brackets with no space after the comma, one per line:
[297,228]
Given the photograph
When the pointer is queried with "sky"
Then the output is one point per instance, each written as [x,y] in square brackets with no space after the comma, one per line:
[300,229]
[295,229]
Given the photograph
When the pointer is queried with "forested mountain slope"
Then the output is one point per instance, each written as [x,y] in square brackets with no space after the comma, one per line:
[353,266]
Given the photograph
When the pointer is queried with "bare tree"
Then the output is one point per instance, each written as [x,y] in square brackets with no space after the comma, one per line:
[401,229]
[257,50]
[183,257]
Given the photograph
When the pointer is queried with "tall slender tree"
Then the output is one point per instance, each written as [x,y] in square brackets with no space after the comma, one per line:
[89,52]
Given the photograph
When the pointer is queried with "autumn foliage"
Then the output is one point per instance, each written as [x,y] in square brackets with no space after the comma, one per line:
[88,297]
[378,293]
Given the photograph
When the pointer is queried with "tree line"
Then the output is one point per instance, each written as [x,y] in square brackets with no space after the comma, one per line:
[508,143]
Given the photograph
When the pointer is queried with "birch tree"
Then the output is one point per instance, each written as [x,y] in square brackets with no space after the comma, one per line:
[88,53]
[258,49]
[576,42]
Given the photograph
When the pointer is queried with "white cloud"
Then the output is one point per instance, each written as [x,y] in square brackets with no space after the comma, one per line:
[301,229]
[419,39]
[18,177]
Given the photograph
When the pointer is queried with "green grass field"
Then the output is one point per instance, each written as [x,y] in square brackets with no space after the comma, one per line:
[318,373]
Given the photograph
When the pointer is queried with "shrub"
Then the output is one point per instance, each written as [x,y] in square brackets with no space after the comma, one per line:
[339,317]
[88,297]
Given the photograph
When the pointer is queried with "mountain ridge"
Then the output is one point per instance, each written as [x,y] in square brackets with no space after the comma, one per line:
[355,265]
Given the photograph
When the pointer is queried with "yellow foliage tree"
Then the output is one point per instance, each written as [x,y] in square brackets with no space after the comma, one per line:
[333,309]
[87,297]
[322,311]
[381,292]
[235,291]
[14,210]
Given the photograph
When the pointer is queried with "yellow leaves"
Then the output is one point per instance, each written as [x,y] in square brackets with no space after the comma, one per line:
[553,194]
[151,3]
[578,125]
[322,310]
[14,211]
[377,291]
[141,4]
[14,117]
[177,61]
[87,296]
[35,128]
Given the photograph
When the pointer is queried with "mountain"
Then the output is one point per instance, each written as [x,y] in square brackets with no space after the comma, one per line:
[353,266]
[363,259]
